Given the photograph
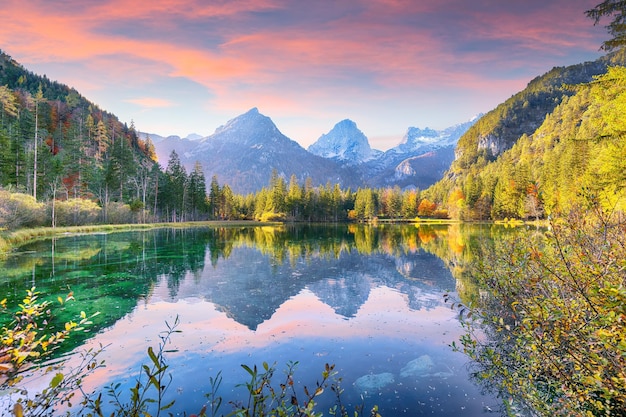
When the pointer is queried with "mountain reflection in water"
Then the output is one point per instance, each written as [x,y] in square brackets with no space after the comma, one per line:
[369,300]
[253,291]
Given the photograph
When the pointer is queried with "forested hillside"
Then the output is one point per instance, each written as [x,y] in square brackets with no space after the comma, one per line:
[64,161]
[56,144]
[538,151]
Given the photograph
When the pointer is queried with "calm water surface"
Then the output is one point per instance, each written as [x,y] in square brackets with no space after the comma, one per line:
[367,299]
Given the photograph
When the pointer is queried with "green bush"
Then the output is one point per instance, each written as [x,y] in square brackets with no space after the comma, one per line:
[25,342]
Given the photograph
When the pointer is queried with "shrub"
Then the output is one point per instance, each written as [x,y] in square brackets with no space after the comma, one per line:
[27,340]
[75,212]
[555,317]
[18,210]
[119,213]
[273,217]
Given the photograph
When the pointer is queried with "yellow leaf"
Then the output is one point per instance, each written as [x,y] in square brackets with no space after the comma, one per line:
[18,411]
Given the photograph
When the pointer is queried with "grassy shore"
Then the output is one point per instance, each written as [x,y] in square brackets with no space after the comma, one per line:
[10,240]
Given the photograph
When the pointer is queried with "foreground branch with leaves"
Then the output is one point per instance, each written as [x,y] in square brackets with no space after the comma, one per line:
[550,331]
[25,343]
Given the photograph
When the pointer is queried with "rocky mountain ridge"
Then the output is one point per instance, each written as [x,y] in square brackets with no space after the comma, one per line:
[245,150]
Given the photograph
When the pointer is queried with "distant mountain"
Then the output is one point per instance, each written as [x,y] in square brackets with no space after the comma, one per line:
[194,136]
[346,144]
[244,152]
[158,138]
[419,160]
[416,139]
[165,145]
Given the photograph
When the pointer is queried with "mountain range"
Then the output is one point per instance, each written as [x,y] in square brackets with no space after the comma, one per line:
[245,151]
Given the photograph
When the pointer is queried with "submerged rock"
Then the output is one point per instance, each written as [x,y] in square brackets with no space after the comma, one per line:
[422,366]
[373,382]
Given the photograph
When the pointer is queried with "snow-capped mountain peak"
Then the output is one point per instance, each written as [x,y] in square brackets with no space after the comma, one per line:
[416,138]
[344,143]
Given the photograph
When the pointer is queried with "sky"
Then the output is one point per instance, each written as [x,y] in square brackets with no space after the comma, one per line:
[176,67]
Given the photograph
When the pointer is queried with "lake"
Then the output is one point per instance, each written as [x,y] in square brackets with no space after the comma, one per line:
[369,300]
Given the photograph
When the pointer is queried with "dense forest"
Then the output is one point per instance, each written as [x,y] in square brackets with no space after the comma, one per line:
[56,146]
[575,151]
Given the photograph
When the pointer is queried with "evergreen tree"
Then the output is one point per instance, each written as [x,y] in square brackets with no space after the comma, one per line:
[615,10]
[310,200]
[197,200]
[214,197]
[174,192]
[294,198]
[260,202]
[337,203]
[228,207]
[278,191]
[365,205]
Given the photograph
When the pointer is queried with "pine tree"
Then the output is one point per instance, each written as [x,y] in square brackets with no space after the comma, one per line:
[214,197]
[294,198]
[278,191]
[197,200]
[616,10]
[174,195]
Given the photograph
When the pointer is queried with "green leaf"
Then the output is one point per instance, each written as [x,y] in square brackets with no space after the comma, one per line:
[58,378]
[247,368]
[168,405]
[152,356]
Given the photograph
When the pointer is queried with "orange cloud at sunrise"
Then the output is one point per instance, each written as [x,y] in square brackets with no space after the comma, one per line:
[385,64]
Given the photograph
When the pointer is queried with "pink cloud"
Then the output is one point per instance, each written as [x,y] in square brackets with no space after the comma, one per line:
[160,9]
[548,26]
